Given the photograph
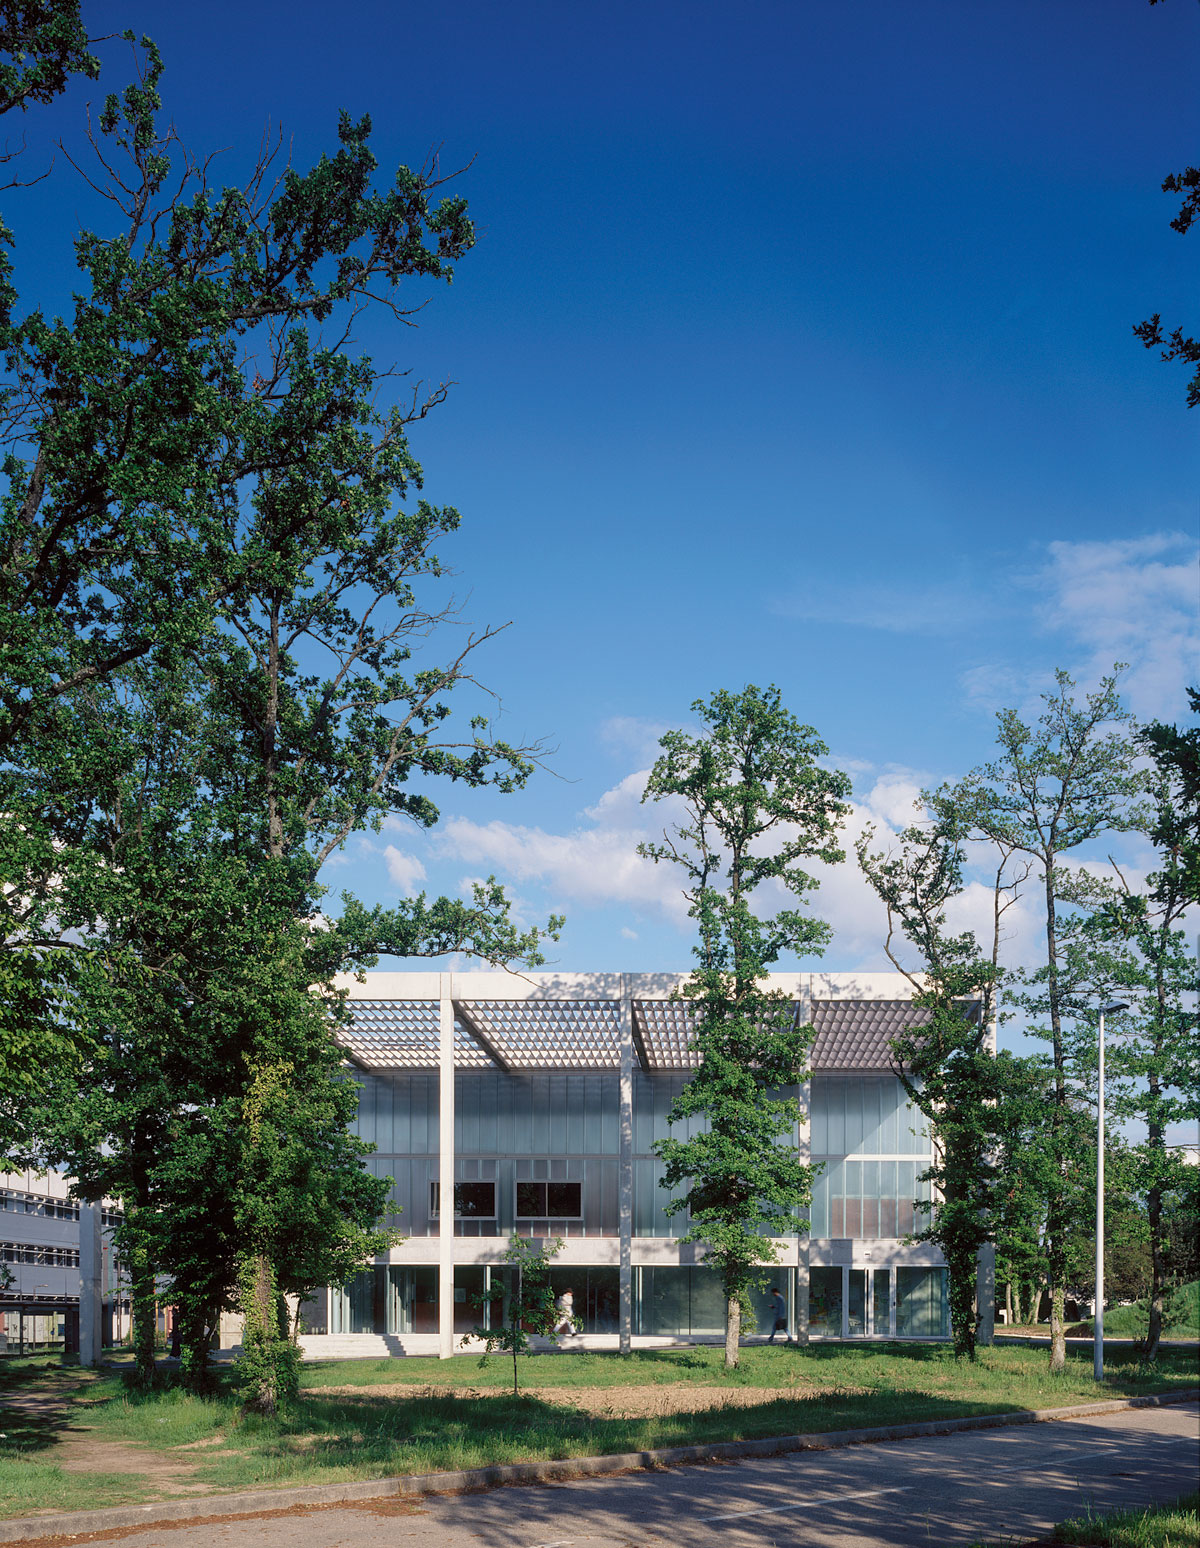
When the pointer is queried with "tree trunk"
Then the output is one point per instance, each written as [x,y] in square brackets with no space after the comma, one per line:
[1157,1272]
[144,1311]
[733,1331]
[1156,1139]
[268,1370]
[1058,1335]
[194,1348]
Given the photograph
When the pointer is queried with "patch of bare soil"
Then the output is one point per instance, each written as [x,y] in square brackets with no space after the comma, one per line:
[638,1402]
[83,1451]
[78,1449]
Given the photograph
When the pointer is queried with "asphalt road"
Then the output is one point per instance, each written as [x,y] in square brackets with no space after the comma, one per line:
[929,1493]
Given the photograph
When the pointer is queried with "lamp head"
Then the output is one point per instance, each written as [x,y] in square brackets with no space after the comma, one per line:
[1115,1005]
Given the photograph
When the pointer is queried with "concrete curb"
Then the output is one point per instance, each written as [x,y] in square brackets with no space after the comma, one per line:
[167,1511]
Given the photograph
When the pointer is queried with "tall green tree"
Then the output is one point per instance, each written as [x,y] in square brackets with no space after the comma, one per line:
[757,803]
[135,424]
[207,516]
[944,1060]
[1133,943]
[1055,785]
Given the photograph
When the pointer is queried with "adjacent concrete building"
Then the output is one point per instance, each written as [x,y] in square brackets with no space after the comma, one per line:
[43,1234]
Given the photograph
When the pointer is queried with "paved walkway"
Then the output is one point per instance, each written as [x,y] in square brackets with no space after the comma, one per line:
[941,1490]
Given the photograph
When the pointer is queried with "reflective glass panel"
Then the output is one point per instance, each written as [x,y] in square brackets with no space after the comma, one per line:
[856,1303]
[881,1307]
[825,1301]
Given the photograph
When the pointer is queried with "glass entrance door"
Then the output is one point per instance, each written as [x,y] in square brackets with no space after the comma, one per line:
[856,1303]
[851,1302]
[881,1303]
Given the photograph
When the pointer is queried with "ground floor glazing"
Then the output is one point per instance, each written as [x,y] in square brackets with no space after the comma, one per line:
[847,1301]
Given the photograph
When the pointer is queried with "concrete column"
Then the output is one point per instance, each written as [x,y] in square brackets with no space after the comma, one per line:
[445,1166]
[626,1166]
[91,1304]
[800,1305]
[985,1293]
[799,1330]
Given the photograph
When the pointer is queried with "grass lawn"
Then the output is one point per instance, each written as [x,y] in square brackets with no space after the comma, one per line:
[423,1415]
[1181,1316]
[1181,1319]
[1176,1525]
[1161,1526]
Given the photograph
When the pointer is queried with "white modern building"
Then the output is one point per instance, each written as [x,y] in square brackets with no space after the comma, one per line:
[533,1102]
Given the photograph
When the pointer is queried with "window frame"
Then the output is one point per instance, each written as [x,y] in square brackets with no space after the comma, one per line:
[546,1184]
[435,1189]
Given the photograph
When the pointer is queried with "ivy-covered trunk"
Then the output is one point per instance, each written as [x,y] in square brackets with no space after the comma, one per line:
[269,1368]
[144,1299]
[1058,1330]
[962,1265]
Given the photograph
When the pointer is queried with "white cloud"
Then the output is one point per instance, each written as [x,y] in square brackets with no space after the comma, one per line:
[895,797]
[622,805]
[405,870]
[595,866]
[1131,600]
[627,934]
[596,863]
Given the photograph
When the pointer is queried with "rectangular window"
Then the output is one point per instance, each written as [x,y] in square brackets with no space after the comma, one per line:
[472,1200]
[549,1201]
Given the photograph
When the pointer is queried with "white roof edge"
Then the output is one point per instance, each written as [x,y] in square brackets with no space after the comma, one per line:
[492,985]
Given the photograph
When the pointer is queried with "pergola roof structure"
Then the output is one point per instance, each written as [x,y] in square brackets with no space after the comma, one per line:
[857,1034]
[579,1034]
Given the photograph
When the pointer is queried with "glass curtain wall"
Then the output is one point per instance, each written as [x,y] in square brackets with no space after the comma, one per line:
[825,1302]
[922,1303]
[387,1299]
[864,1131]
[858,1302]
[689,1302]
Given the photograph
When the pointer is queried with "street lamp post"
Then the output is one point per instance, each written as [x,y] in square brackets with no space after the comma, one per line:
[1098,1319]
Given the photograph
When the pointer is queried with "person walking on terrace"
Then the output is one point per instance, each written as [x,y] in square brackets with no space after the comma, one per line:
[778,1316]
[565,1307]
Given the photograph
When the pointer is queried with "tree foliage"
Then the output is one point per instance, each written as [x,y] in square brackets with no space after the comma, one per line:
[222,652]
[757,803]
[1055,785]
[526,1303]
[1175,344]
[944,1060]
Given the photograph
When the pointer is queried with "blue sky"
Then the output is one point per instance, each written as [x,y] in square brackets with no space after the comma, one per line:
[796,348]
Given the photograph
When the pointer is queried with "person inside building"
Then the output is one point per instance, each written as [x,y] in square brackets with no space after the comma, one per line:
[778,1316]
[565,1307]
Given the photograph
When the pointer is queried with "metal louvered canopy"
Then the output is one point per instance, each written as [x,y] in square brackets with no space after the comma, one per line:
[403,1035]
[662,1030]
[856,1034]
[579,1034]
[547,1034]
